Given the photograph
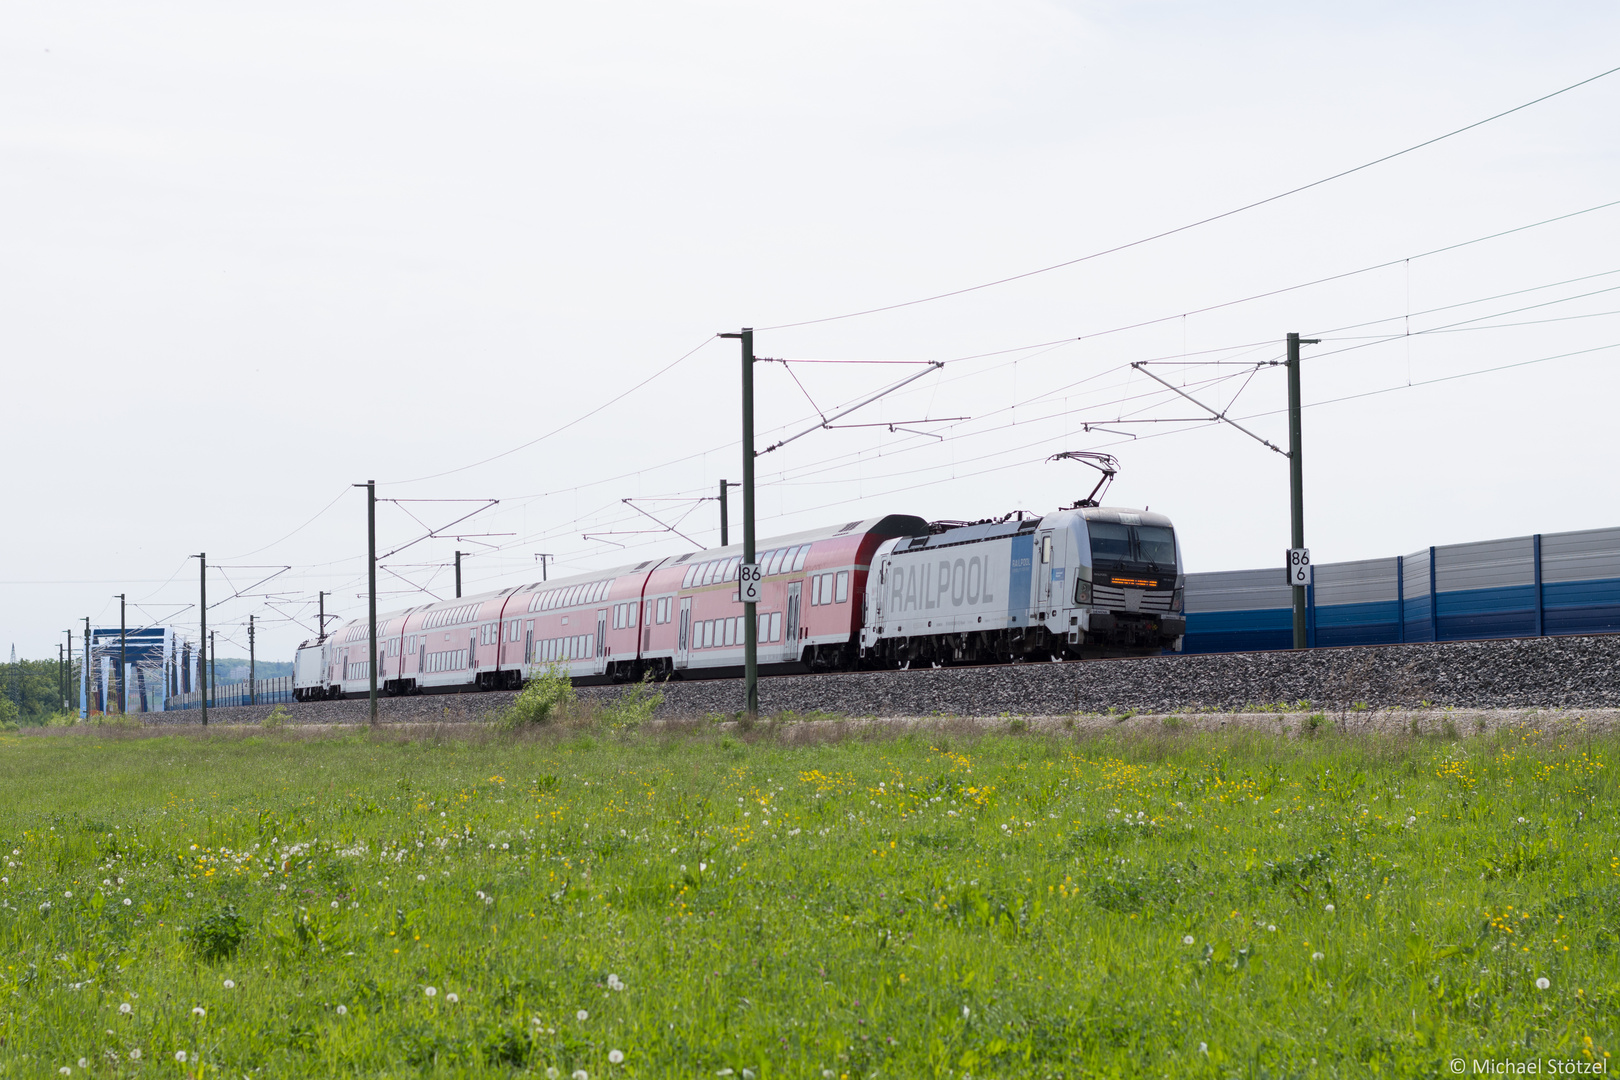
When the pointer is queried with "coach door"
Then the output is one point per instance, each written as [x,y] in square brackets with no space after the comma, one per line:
[683,636]
[790,632]
[528,644]
[472,650]
[1043,575]
[601,641]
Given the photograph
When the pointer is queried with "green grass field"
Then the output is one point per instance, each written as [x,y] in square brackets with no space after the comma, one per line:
[683,903]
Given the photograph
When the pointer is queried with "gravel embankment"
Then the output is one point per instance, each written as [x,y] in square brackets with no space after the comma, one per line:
[1560,673]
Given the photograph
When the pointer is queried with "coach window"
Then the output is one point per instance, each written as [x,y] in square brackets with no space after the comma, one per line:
[799,556]
[843,587]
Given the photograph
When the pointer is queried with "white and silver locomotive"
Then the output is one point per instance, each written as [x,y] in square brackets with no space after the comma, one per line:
[1086,581]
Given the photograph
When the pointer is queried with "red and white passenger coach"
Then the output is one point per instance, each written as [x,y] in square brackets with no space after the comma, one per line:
[667,617]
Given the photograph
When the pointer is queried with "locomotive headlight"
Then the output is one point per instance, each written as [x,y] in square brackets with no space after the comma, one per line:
[1176,599]
[1082,592]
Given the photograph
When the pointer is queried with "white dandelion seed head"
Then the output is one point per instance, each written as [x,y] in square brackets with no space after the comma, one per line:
[552,1073]
[135,1053]
[343,1010]
[580,1074]
[198,1010]
[1271,929]
[1188,940]
[582,1016]
[84,1063]
[180,1056]
[128,901]
[1203,1048]
[69,894]
[1523,820]
[230,984]
[1317,957]
[451,998]
[966,1012]
[1330,909]
[421,877]
[702,866]
[334,905]
[124,1008]
[615,1057]
[430,991]
[1542,983]
[66,1070]
[748,1074]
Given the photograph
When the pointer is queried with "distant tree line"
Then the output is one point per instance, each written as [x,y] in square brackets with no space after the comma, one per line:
[31,690]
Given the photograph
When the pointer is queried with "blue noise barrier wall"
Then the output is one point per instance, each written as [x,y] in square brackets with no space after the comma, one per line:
[1524,586]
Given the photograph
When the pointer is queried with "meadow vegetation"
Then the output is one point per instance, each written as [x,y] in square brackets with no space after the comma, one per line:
[589,894]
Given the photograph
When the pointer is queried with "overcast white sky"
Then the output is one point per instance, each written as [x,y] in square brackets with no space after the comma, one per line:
[253,256]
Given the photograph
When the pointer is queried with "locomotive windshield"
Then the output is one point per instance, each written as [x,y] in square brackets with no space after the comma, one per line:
[1114,543]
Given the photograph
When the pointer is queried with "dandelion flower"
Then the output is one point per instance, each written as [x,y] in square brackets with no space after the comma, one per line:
[580,1074]
[69,894]
[451,998]
[135,1054]
[66,1070]
[966,1012]
[1329,909]
[552,1073]
[615,1057]
[1542,983]
[1188,940]
[124,1008]
[199,1011]
[180,1056]
[128,901]
[582,1016]
[1203,1048]
[343,1010]
[748,1074]
[1316,956]
[334,905]
[702,866]
[421,877]
[1272,929]
[431,991]
[84,1063]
